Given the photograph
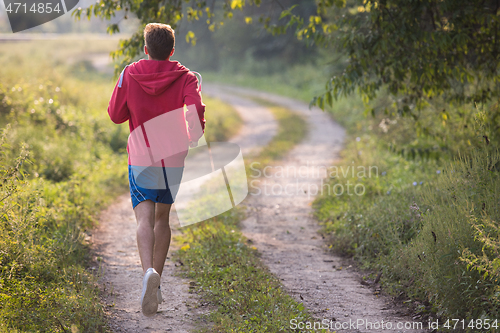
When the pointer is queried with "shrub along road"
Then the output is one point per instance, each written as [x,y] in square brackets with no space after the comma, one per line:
[279,223]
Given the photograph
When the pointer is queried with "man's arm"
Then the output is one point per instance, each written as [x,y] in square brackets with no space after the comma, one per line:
[195,114]
[117,108]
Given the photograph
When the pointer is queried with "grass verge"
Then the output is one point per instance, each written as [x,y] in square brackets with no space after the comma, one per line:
[60,165]
[292,129]
[225,267]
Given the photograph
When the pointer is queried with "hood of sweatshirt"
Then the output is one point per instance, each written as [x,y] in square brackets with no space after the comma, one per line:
[155,76]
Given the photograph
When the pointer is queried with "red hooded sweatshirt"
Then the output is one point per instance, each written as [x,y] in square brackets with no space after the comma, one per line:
[151,95]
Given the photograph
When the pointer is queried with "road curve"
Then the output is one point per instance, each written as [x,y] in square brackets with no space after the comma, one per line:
[281,225]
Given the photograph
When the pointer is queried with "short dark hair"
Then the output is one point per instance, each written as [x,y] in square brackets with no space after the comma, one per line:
[159,39]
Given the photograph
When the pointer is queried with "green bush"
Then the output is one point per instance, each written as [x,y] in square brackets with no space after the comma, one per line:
[44,283]
[454,260]
[57,170]
[430,227]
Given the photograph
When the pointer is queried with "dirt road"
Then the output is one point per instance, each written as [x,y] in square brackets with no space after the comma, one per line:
[279,222]
[281,226]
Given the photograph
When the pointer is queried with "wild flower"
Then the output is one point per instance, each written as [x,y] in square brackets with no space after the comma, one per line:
[414,207]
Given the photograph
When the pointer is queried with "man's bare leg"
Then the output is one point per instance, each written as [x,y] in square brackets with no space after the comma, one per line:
[145,215]
[162,236]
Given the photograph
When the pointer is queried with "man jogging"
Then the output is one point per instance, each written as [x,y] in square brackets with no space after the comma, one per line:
[151,94]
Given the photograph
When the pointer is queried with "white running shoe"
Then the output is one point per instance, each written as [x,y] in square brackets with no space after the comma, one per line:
[158,296]
[149,300]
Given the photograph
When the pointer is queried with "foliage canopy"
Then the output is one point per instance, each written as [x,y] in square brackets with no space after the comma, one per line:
[417,49]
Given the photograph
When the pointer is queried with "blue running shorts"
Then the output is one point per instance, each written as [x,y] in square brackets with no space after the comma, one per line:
[155,184]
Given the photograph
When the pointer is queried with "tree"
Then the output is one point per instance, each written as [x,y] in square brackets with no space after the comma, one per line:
[168,11]
[418,49]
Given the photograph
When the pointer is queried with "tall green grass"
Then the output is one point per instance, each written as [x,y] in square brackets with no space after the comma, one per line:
[429,225]
[453,260]
[62,161]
